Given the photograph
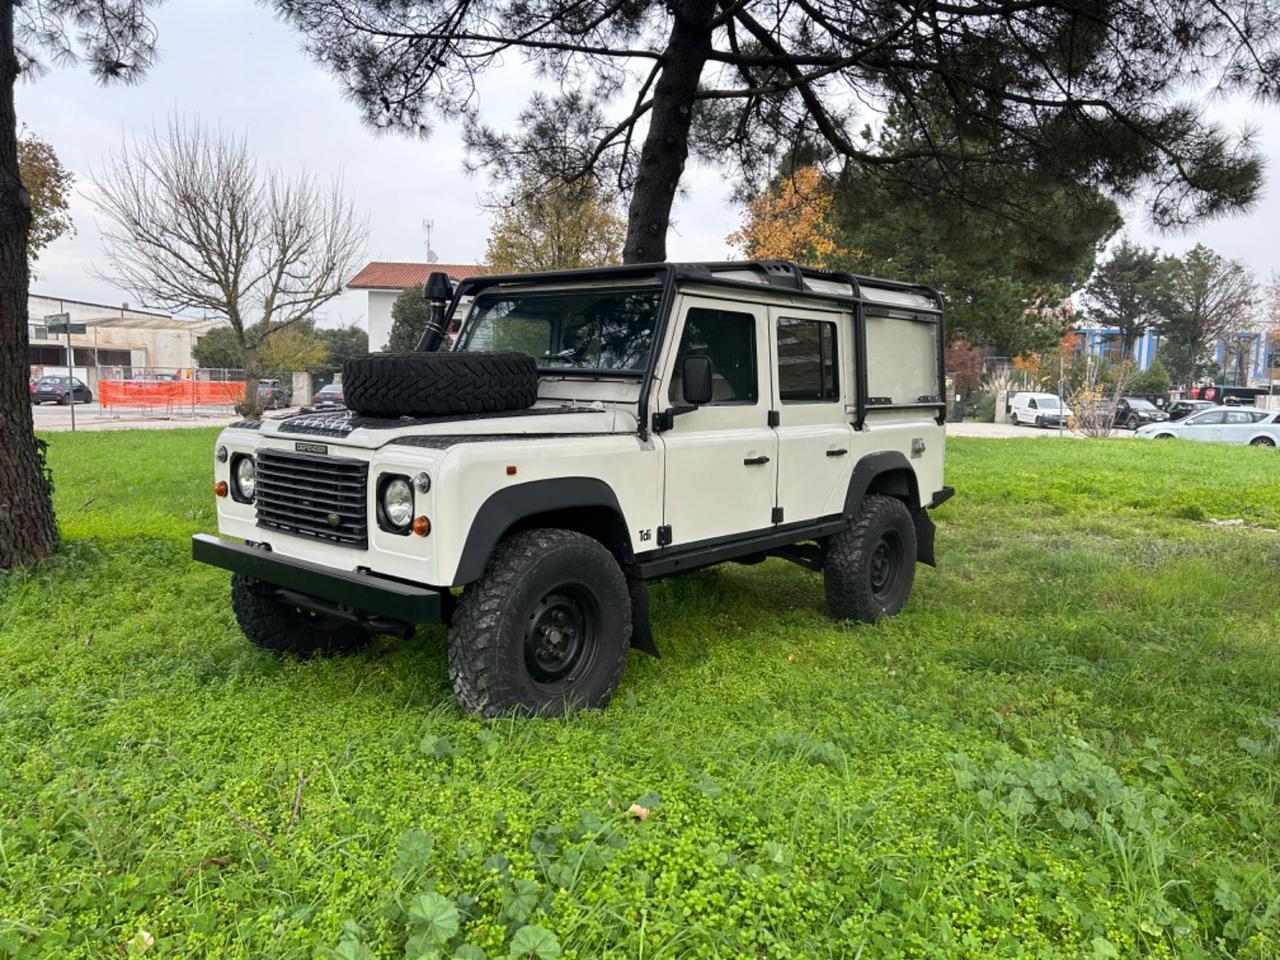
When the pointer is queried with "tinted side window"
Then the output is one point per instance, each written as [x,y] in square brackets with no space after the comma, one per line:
[1239,416]
[807,361]
[729,340]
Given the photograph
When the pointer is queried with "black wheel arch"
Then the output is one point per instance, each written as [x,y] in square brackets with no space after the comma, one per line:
[587,505]
[890,473]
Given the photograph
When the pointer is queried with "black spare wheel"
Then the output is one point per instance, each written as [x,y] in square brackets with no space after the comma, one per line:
[544,631]
[275,625]
[438,384]
[870,567]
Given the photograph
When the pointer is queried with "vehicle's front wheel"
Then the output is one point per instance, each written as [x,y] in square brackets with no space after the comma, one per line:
[870,567]
[544,631]
[274,626]
[1262,442]
[1132,423]
[1040,422]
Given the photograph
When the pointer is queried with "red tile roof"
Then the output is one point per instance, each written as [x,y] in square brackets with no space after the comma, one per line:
[397,276]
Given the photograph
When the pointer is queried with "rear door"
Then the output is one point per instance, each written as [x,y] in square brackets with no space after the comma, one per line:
[1205,426]
[721,459]
[812,357]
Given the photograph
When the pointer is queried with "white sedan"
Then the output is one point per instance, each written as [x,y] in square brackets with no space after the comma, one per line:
[1258,428]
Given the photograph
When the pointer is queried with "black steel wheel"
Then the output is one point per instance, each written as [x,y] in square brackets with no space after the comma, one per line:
[544,631]
[870,567]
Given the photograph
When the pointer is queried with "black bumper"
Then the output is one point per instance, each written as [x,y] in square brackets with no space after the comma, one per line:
[357,591]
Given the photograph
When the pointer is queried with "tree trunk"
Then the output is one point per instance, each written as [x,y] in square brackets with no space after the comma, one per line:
[28,530]
[252,406]
[666,146]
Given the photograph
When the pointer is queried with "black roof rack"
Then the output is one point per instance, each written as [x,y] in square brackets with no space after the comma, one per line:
[783,274]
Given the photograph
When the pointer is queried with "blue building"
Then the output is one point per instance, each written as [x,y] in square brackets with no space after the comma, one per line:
[1245,358]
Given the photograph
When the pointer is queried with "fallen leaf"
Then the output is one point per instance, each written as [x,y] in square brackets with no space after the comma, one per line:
[639,812]
[791,658]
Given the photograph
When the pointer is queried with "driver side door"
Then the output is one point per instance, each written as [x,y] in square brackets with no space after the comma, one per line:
[722,458]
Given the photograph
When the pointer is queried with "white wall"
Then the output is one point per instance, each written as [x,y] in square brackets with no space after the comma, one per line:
[379,314]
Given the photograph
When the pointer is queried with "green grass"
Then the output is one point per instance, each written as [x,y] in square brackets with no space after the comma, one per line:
[1067,745]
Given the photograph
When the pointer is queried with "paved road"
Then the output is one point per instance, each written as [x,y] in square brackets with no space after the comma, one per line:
[92,416]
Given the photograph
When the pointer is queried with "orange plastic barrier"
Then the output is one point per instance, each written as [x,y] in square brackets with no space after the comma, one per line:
[170,393]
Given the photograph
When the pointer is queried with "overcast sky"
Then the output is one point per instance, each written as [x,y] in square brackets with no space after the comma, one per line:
[229,62]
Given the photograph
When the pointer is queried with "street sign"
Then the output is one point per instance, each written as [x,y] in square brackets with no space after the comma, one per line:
[61,323]
[67,328]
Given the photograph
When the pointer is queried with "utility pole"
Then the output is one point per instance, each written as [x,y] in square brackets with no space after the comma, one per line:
[61,323]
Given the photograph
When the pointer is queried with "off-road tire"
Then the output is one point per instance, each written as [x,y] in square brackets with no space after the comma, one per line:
[852,557]
[489,640]
[439,384]
[1262,442]
[273,626]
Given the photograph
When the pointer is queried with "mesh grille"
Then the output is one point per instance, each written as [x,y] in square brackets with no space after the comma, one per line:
[313,496]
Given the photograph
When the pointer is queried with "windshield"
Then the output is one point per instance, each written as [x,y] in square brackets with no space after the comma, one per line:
[589,330]
[1048,403]
[1141,404]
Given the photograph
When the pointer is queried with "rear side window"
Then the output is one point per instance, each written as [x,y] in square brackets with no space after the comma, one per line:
[728,338]
[807,370]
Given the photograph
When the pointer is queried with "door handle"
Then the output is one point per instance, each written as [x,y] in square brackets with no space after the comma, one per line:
[837,453]
[754,461]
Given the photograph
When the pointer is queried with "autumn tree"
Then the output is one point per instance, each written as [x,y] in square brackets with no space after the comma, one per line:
[1124,292]
[792,220]
[1082,96]
[117,41]
[48,184]
[1204,297]
[554,225]
[294,347]
[195,223]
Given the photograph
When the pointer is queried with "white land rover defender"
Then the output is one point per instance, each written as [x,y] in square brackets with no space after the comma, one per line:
[591,431]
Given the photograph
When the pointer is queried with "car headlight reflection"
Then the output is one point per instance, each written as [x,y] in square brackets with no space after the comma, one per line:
[244,478]
[397,503]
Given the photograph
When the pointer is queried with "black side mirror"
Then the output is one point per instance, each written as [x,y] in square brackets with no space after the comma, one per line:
[696,373]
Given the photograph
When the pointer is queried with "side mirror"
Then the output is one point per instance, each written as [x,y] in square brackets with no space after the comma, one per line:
[696,373]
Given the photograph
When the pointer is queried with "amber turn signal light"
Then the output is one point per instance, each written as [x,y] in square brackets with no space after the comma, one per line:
[421,526]
[220,488]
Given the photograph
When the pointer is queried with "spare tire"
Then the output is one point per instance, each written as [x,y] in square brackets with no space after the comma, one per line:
[438,384]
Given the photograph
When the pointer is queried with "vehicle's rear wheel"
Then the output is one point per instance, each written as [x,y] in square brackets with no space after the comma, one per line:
[274,626]
[1013,418]
[870,566]
[65,400]
[544,631]
[1262,442]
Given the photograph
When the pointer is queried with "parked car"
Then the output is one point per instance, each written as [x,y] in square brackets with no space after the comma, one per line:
[329,398]
[725,423]
[1184,408]
[1041,409]
[274,394]
[1259,428]
[64,390]
[1133,412]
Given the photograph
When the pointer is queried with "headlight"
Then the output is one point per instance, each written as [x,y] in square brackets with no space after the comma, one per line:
[397,504]
[243,478]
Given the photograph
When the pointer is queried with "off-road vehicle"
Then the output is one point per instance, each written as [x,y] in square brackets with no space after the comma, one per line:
[592,431]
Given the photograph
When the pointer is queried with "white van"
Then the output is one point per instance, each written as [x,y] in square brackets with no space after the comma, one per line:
[1040,409]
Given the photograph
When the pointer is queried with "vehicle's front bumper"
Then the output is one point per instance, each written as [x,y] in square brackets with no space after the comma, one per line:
[357,591]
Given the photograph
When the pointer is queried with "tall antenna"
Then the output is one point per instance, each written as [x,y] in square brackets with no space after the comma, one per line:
[428,226]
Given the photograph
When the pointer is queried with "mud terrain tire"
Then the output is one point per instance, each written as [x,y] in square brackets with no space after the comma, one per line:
[439,384]
[870,567]
[545,631]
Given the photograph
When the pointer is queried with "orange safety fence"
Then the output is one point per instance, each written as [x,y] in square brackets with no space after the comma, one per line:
[170,393]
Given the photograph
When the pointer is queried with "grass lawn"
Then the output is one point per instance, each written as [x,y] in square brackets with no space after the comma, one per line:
[1068,745]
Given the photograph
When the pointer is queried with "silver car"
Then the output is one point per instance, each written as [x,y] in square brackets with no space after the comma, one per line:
[1258,428]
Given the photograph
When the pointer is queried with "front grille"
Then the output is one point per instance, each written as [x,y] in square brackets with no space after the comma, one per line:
[313,496]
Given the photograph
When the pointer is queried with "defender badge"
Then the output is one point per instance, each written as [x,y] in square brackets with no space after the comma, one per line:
[304,447]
